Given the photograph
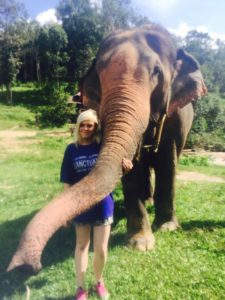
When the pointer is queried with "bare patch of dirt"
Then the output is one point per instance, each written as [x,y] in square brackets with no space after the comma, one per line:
[15,140]
[195,176]
[7,134]
[218,158]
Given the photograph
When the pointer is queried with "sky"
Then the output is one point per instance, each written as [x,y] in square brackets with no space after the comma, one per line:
[178,16]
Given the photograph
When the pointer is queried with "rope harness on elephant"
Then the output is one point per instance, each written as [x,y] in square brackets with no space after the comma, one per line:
[159,128]
[154,145]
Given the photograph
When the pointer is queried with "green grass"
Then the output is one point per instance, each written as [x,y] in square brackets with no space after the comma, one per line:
[16,116]
[186,264]
[25,94]
[26,100]
[200,163]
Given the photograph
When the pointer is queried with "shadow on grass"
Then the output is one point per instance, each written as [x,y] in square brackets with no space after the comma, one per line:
[119,212]
[208,225]
[10,232]
[58,249]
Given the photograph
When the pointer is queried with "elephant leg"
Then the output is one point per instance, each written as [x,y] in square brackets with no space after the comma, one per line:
[137,187]
[165,169]
[172,143]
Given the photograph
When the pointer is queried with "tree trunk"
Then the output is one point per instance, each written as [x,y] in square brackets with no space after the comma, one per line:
[38,70]
[9,98]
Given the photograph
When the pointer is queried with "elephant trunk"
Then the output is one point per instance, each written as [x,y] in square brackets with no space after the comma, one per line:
[122,127]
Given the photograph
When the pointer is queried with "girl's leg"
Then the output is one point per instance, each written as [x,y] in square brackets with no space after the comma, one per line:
[81,252]
[100,238]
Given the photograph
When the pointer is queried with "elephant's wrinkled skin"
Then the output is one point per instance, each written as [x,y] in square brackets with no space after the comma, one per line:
[135,76]
[137,184]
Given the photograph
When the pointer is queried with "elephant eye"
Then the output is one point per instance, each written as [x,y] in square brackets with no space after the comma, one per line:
[156,71]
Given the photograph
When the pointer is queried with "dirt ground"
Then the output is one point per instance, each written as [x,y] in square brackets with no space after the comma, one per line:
[15,140]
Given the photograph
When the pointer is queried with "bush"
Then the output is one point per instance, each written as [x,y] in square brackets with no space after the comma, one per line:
[214,141]
[209,124]
[56,111]
[194,160]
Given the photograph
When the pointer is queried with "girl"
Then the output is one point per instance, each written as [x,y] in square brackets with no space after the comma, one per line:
[79,159]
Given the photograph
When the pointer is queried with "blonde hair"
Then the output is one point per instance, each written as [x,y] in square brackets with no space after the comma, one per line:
[87,115]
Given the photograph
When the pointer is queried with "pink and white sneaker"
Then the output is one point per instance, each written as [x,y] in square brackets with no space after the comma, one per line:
[81,294]
[101,291]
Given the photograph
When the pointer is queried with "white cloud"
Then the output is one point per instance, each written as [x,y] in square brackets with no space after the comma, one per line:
[98,3]
[48,16]
[183,29]
[216,35]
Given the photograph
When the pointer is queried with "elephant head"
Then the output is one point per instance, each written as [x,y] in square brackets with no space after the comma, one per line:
[136,73]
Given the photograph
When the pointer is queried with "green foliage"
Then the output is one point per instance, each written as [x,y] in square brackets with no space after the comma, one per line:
[209,114]
[209,124]
[207,141]
[86,24]
[56,112]
[9,63]
[193,160]
[11,39]
[116,14]
[30,68]
[199,44]
[81,24]
[211,56]
[52,41]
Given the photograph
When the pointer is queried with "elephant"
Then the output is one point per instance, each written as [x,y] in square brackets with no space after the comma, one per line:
[142,87]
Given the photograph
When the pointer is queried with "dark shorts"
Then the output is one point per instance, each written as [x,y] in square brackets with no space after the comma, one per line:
[100,214]
[104,222]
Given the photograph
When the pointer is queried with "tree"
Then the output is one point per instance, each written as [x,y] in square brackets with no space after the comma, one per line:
[80,21]
[86,24]
[209,122]
[116,14]
[30,67]
[52,42]
[12,15]
[218,66]
[199,44]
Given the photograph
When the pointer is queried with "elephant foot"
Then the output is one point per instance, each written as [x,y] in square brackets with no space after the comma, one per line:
[171,225]
[141,241]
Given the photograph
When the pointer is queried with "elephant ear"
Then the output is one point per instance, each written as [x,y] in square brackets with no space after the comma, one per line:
[90,88]
[188,84]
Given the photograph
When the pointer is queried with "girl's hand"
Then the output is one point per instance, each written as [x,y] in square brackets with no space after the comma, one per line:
[127,165]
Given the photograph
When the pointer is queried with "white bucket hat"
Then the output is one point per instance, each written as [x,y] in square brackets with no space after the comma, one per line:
[89,114]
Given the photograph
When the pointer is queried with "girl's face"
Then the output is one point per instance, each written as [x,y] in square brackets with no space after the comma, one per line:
[87,130]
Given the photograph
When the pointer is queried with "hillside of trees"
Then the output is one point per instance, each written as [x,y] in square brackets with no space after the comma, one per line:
[52,58]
